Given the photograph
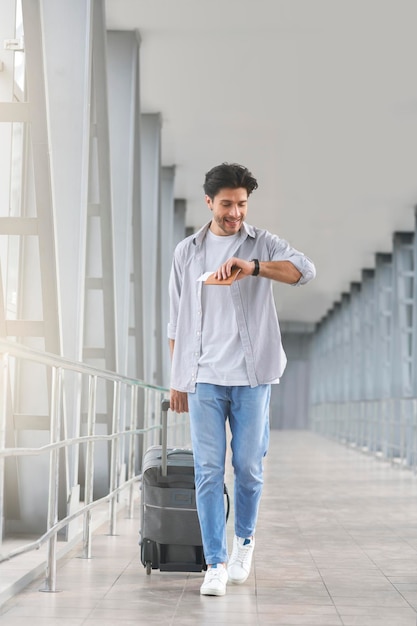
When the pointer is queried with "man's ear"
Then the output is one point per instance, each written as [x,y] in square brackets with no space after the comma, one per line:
[208,202]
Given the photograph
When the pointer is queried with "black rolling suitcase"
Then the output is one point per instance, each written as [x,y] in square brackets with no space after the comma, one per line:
[170,530]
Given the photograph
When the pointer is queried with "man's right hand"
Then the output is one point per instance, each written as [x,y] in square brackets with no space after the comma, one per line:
[178,401]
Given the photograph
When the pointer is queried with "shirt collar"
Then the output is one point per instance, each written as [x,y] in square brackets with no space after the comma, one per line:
[246,231]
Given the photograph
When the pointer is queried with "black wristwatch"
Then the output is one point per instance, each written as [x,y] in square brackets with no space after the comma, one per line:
[256,268]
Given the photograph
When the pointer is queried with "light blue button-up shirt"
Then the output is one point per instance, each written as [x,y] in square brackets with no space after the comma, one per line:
[253,302]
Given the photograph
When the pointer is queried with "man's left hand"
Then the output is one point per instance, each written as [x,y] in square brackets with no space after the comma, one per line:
[224,271]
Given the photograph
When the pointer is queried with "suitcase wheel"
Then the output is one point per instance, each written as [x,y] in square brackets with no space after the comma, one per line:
[149,555]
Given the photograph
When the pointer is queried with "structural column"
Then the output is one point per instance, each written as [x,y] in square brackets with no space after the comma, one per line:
[151,199]
[124,119]
[166,249]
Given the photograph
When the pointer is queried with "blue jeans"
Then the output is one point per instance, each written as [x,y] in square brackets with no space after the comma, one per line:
[247,409]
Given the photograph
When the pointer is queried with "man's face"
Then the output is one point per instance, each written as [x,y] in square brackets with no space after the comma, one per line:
[229,208]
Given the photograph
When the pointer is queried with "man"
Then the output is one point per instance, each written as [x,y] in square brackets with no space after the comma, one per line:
[226,352]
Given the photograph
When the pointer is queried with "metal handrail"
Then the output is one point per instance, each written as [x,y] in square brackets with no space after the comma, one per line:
[47,358]
[386,427]
[6,452]
[35,545]
[58,365]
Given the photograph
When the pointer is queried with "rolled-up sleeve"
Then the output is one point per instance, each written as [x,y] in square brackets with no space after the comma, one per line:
[283,251]
[306,267]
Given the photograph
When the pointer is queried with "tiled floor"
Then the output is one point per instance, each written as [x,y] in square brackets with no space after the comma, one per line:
[336,545]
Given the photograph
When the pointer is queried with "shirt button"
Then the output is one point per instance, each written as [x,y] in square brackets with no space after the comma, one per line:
[198,333]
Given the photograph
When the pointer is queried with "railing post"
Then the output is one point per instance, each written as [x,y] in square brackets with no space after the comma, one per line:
[414,435]
[114,465]
[146,420]
[157,415]
[89,464]
[132,440]
[4,381]
[56,391]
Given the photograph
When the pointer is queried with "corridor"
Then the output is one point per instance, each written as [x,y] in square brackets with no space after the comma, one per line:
[336,546]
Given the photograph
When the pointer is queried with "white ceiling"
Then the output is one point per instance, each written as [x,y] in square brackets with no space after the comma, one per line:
[317,97]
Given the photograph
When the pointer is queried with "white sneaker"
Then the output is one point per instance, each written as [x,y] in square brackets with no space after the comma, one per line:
[215,581]
[241,558]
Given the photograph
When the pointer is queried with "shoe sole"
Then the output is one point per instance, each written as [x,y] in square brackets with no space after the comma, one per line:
[212,592]
[239,581]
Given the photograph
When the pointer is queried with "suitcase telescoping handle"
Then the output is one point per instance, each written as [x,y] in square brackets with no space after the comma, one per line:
[164,438]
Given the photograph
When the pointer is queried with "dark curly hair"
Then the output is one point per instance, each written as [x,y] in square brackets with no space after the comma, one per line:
[230,176]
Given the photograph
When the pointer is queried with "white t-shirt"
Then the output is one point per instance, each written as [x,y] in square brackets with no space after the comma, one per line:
[222,360]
